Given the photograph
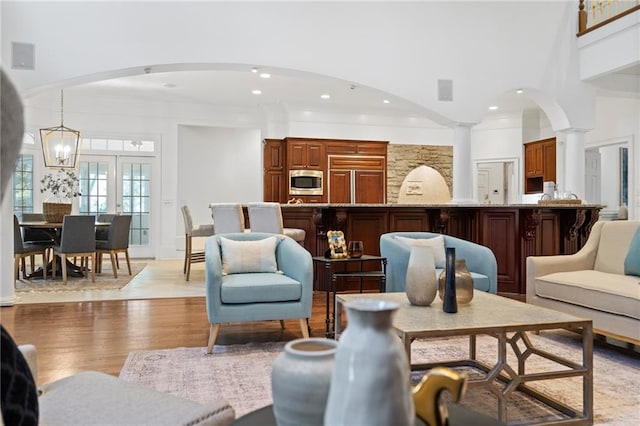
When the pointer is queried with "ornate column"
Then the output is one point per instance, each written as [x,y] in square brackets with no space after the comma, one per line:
[462,170]
[574,158]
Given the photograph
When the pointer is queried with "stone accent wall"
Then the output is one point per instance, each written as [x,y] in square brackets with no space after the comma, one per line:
[401,159]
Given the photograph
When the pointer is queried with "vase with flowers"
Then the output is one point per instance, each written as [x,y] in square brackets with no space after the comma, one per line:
[63,186]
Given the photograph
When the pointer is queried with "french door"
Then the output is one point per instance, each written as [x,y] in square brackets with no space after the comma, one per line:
[120,184]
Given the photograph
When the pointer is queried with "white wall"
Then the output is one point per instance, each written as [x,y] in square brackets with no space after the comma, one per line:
[217,165]
[618,121]
[610,182]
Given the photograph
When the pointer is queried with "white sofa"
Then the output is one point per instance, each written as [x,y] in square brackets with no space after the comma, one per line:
[591,283]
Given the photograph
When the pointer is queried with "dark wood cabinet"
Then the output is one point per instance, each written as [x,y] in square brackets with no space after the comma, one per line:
[275,179]
[357,179]
[336,158]
[539,164]
[512,232]
[305,154]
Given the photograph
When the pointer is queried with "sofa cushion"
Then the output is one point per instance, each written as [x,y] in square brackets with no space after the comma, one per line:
[259,287]
[615,238]
[240,257]
[612,293]
[92,398]
[480,282]
[632,261]
[436,244]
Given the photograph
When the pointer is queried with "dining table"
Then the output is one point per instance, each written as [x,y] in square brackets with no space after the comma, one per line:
[54,230]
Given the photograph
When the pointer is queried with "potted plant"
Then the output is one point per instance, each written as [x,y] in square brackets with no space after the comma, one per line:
[63,187]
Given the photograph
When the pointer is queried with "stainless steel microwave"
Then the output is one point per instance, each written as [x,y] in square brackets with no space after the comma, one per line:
[305,182]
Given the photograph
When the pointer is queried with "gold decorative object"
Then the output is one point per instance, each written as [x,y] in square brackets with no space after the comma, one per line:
[337,245]
[426,394]
[464,283]
[60,144]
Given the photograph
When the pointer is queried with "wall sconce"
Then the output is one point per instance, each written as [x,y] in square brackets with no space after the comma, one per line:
[60,145]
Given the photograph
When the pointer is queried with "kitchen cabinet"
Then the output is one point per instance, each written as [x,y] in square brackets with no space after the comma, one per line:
[305,154]
[539,164]
[275,179]
[357,179]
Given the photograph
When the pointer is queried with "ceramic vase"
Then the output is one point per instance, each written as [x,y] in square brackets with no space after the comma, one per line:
[370,384]
[449,299]
[300,380]
[463,283]
[421,281]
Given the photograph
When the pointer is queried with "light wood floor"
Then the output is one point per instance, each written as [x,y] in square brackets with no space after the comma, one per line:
[78,336]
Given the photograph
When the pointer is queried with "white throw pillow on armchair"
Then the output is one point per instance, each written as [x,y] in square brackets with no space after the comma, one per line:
[436,244]
[241,257]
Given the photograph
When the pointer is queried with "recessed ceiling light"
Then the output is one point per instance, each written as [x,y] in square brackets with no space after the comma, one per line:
[265,75]
[169,85]
[493,107]
[386,101]
[256,92]
[519,91]
[254,70]
[325,96]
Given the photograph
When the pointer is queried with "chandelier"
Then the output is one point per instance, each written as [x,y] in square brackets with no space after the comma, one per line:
[60,144]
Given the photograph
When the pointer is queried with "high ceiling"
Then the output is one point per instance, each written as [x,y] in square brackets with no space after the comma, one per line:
[286,89]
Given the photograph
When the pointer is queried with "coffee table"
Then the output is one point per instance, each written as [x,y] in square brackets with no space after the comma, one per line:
[508,321]
[457,416]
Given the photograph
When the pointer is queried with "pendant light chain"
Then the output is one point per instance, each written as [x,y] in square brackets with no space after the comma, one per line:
[62,108]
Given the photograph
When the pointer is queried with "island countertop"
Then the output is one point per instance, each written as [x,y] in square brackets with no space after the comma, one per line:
[512,231]
[445,206]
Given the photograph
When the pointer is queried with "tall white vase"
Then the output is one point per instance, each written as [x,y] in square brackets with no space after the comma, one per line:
[370,385]
[300,380]
[422,284]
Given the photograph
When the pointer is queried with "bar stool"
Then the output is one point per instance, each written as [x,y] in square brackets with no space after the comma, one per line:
[189,232]
[267,217]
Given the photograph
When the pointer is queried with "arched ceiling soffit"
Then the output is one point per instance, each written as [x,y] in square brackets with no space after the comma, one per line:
[511,101]
[397,105]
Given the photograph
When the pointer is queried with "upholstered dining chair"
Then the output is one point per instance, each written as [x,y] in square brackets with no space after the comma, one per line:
[117,242]
[22,249]
[103,233]
[78,239]
[34,235]
[227,217]
[254,276]
[190,232]
[267,217]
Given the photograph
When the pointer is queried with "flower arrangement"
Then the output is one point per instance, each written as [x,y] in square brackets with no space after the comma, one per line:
[63,184]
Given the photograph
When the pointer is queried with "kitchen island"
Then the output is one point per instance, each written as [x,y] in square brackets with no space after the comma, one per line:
[512,231]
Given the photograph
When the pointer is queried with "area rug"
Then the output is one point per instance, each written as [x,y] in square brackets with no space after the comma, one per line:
[104,281]
[242,375]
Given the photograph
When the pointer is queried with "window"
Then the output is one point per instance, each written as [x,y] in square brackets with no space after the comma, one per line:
[118,145]
[23,185]
[93,187]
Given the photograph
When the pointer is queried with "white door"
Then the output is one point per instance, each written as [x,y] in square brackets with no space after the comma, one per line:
[491,178]
[120,184]
[134,198]
[592,190]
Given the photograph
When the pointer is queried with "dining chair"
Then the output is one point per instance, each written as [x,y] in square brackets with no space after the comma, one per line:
[22,249]
[117,242]
[190,256]
[103,233]
[36,236]
[78,239]
[227,217]
[267,217]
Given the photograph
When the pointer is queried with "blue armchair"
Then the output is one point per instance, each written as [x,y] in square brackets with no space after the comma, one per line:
[480,260]
[258,296]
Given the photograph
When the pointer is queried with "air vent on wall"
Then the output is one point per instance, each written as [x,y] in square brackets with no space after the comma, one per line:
[445,90]
[23,56]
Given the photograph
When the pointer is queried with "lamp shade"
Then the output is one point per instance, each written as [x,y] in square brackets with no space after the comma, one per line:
[60,146]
